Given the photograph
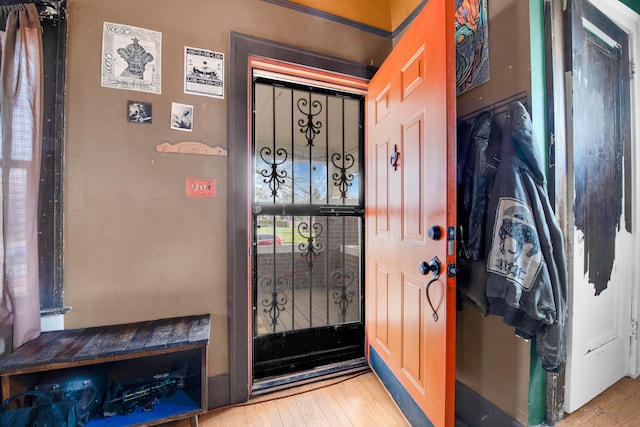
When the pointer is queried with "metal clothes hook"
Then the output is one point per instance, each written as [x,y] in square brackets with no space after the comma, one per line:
[394,157]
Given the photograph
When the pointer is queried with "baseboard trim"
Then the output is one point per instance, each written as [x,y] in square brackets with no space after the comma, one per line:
[218,392]
[405,402]
[474,410]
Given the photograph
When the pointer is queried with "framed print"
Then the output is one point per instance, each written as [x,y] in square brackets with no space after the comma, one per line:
[181,117]
[139,112]
[204,72]
[131,58]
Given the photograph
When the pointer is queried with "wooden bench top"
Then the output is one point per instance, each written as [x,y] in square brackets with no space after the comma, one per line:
[58,349]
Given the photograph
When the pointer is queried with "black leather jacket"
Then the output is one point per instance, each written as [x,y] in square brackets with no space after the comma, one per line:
[476,175]
[511,251]
[526,264]
[478,161]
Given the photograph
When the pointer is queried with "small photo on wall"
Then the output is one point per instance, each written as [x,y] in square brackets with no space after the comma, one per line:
[181,117]
[139,112]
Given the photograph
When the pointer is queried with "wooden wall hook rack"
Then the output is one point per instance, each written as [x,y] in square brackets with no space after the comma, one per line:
[191,147]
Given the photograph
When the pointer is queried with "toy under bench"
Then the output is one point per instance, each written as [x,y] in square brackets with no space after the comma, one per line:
[126,351]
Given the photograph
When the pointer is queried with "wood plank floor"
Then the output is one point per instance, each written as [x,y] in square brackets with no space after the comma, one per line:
[361,401]
[357,400]
[618,406]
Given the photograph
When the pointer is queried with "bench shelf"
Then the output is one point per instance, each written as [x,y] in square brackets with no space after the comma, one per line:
[130,350]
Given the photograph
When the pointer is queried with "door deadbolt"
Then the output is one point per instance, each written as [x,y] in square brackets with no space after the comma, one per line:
[435,233]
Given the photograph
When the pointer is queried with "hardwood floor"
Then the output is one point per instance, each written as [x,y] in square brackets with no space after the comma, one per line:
[618,406]
[357,400]
[360,401]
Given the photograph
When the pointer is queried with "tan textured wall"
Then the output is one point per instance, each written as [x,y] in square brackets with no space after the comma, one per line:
[491,360]
[135,247]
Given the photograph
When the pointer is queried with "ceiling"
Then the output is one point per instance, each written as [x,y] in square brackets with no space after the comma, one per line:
[387,16]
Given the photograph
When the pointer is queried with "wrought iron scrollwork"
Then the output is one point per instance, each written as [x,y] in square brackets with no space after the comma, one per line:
[277,303]
[309,127]
[310,249]
[343,297]
[275,177]
[343,179]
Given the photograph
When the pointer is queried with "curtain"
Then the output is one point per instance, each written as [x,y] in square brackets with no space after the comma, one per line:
[21,128]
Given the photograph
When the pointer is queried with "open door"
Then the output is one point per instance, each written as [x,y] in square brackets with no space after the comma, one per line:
[604,246]
[410,219]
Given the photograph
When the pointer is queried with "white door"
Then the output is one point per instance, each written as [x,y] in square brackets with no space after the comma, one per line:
[603,223]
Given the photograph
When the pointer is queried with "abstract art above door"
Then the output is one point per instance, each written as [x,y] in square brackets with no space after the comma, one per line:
[472,44]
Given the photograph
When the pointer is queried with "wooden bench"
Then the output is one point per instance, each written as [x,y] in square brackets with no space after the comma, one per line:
[126,351]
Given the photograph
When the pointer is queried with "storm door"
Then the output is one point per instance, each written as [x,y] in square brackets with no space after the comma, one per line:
[308,213]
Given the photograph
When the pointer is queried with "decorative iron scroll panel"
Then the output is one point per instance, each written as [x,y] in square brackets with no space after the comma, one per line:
[308,205]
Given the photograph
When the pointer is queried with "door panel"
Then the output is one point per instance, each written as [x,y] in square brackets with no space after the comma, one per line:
[411,110]
[600,230]
[413,330]
[412,179]
[382,188]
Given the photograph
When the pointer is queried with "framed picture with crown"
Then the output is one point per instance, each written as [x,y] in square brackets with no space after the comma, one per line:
[131,58]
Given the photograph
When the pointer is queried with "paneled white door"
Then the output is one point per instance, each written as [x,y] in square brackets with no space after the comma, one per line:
[602,226]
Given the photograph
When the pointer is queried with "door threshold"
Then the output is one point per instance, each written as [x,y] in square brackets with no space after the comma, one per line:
[271,384]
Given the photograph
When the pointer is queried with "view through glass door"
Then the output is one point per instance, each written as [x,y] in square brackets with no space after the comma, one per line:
[308,212]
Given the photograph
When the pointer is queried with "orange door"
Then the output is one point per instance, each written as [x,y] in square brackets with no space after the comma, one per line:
[411,118]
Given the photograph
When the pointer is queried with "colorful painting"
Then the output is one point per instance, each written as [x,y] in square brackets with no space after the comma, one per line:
[472,44]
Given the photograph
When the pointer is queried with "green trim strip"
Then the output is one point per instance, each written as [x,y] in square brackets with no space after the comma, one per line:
[537,378]
[633,5]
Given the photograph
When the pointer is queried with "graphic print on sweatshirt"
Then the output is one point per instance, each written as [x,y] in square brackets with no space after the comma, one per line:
[515,248]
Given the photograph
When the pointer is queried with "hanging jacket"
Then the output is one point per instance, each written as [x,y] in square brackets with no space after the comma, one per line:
[476,171]
[526,265]
[476,180]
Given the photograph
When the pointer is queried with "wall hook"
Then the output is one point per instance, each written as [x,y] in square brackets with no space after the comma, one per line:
[394,157]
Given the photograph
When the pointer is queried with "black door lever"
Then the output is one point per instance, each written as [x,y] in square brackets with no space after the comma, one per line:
[432,266]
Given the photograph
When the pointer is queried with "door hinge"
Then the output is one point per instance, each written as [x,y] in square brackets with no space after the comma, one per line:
[634,329]
[632,71]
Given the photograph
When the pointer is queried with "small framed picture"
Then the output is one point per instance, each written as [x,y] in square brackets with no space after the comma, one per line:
[181,117]
[139,112]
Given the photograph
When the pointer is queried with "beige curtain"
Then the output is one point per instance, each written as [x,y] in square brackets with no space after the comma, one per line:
[21,127]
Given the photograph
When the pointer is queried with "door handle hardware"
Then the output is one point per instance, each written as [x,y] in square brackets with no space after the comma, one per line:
[451,237]
[452,270]
[338,210]
[435,233]
[432,266]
